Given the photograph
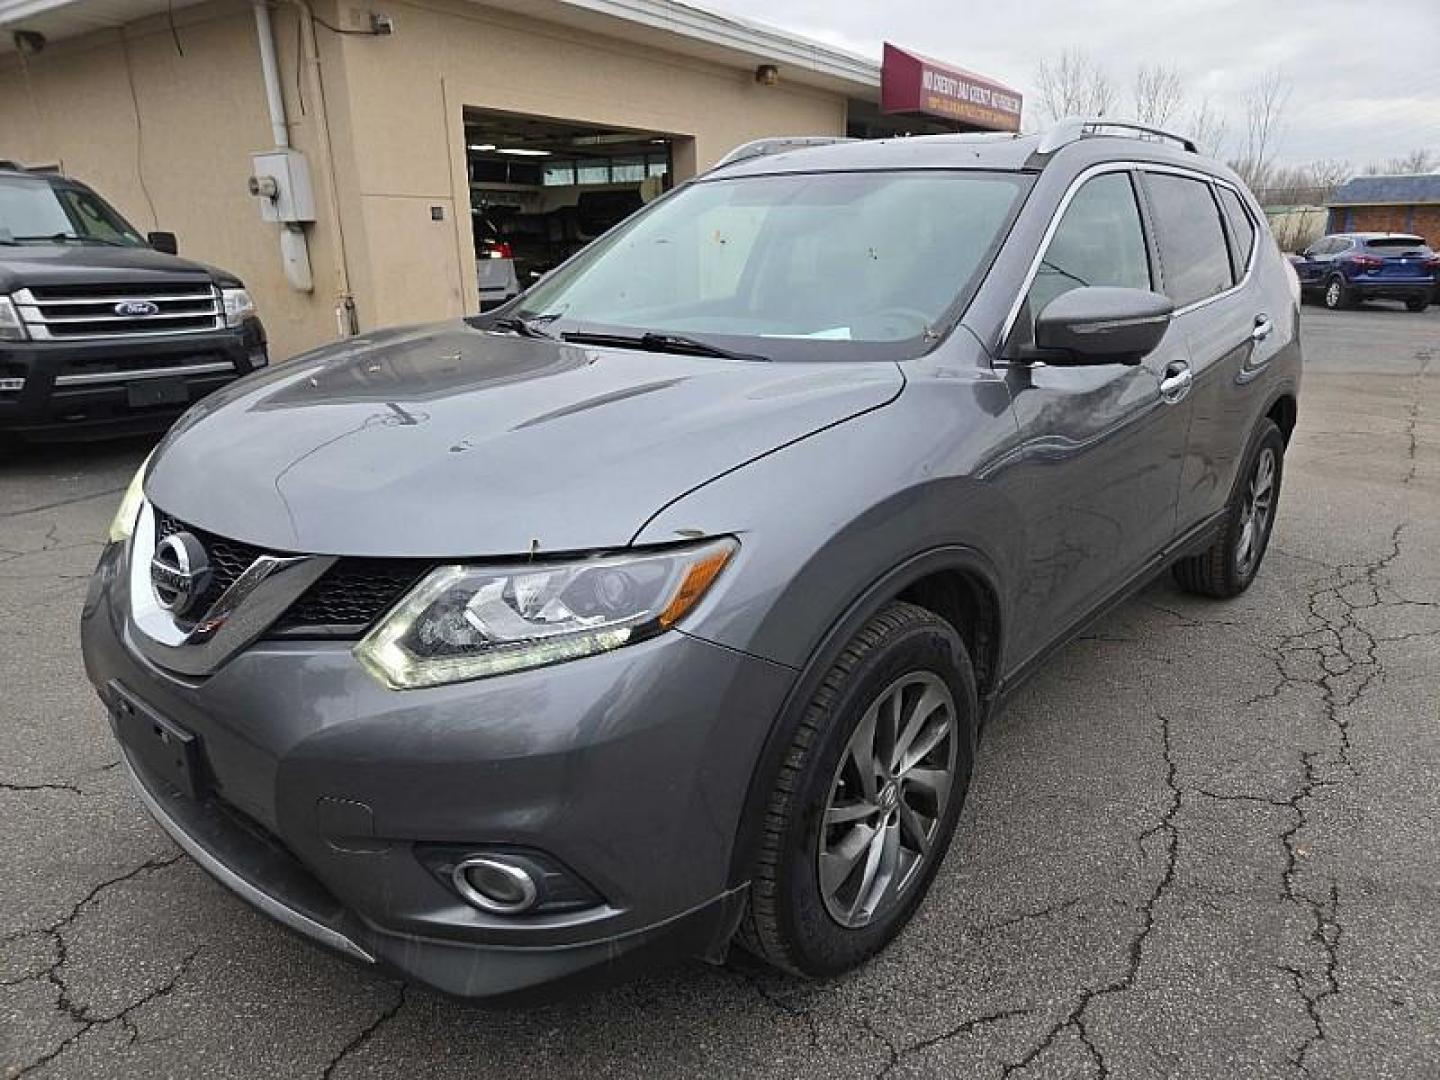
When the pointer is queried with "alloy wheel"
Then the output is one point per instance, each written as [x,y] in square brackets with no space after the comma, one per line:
[887,798]
[1255,514]
[1332,294]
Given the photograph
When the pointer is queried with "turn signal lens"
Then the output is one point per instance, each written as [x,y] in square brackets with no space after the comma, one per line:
[697,580]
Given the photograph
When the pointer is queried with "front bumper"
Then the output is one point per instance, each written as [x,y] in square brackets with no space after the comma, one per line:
[82,388]
[629,768]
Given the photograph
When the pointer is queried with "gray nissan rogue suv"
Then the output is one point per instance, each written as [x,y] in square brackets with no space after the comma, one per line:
[665,604]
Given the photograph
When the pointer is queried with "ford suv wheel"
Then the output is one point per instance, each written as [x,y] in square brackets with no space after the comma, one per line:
[866,802]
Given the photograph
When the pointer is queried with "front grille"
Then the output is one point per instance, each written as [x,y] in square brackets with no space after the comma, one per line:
[228,558]
[343,603]
[350,596]
[88,312]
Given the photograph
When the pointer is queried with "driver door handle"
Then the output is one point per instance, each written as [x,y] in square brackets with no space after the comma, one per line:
[1263,326]
[1177,381]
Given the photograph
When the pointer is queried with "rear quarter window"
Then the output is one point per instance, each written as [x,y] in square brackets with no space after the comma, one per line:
[1194,260]
[1242,231]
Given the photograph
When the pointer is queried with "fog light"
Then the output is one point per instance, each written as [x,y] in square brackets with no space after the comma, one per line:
[495,886]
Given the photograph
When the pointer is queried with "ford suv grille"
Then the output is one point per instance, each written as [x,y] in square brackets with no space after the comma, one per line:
[97,312]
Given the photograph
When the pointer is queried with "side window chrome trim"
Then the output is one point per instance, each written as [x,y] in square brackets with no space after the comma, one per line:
[1129,166]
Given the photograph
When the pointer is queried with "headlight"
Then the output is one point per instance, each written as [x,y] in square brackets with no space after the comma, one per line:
[11,328]
[467,622]
[238,306]
[125,517]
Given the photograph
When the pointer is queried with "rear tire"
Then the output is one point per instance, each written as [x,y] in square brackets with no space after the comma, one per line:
[1337,294]
[1230,564]
[846,797]
[1416,305]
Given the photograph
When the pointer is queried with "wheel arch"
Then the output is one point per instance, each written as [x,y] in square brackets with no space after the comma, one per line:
[958,583]
[1284,410]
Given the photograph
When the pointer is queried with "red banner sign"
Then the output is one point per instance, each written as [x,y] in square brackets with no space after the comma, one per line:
[910,83]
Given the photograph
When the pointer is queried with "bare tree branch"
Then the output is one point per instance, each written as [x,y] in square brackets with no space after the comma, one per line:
[1264,119]
[1157,94]
[1416,161]
[1208,129]
[1073,84]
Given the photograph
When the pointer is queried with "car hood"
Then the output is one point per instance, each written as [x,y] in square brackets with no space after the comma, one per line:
[25,265]
[448,441]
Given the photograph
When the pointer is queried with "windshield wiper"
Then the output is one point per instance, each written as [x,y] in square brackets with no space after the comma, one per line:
[55,238]
[524,327]
[661,343]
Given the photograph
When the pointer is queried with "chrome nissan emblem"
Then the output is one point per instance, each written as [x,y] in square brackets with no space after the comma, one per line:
[179,572]
[136,309]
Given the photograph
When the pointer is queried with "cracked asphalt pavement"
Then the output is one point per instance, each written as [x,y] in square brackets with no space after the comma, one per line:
[1204,843]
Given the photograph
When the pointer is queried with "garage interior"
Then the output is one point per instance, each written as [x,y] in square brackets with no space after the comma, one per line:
[541,189]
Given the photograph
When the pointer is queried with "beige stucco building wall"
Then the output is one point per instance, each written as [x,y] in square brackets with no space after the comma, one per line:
[395,107]
[175,153]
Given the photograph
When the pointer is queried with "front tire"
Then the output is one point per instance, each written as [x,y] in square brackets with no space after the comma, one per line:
[867,798]
[1229,565]
[1416,305]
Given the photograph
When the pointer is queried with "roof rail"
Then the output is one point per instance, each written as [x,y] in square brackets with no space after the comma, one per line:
[775,145]
[13,166]
[1073,128]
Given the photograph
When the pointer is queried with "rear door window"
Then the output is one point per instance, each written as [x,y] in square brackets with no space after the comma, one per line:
[1242,231]
[1099,241]
[1194,260]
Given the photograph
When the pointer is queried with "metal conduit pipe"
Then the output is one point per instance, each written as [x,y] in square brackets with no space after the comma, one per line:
[345,314]
[294,251]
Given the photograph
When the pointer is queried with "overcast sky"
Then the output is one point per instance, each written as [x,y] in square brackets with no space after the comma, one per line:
[1365,75]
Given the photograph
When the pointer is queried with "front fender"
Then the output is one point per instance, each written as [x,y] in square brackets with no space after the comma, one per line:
[822,520]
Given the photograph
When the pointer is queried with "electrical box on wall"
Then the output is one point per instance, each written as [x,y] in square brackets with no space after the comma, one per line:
[280,182]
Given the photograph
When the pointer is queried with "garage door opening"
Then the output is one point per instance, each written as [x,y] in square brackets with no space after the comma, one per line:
[540,190]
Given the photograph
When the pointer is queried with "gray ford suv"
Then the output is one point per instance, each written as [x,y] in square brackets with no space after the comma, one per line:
[664,605]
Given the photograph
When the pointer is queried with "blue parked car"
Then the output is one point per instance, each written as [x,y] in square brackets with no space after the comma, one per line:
[1345,268]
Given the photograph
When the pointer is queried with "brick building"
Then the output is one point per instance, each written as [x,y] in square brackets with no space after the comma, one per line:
[1408,204]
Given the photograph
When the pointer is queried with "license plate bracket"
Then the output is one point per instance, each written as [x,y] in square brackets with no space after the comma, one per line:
[162,746]
[145,393]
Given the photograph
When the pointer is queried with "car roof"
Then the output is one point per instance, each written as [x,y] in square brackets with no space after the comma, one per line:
[997,151]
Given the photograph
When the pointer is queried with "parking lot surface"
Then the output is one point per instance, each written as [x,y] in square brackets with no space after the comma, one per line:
[1204,843]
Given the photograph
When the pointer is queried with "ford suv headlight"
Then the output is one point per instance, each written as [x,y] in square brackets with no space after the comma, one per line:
[468,622]
[238,306]
[11,328]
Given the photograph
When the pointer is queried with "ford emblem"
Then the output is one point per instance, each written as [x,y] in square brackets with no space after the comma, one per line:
[136,309]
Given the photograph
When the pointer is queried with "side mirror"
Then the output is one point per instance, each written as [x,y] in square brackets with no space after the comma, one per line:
[1101,324]
[164,242]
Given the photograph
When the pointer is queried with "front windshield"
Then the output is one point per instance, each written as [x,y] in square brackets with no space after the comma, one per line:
[33,210]
[863,257]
